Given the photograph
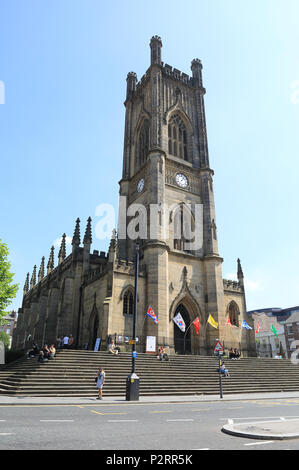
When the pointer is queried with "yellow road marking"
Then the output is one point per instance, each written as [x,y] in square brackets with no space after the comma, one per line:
[166,411]
[202,409]
[104,414]
[234,408]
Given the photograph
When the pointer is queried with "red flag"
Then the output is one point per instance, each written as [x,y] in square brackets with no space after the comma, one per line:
[258,328]
[196,324]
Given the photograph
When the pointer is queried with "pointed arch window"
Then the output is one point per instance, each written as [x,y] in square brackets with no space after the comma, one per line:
[143,142]
[233,313]
[183,228]
[128,303]
[177,137]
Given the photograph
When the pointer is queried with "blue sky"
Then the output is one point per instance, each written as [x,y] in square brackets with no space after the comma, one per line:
[64,66]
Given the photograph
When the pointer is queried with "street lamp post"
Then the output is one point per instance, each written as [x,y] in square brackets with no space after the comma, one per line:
[132,388]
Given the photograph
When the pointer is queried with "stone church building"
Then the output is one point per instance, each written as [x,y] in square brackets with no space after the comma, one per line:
[165,163]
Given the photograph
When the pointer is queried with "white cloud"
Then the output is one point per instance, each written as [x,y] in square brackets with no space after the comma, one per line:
[250,285]
[231,277]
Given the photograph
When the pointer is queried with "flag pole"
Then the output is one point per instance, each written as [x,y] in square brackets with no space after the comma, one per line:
[132,384]
[143,323]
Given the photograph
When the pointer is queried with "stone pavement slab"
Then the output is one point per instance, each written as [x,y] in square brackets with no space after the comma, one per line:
[276,429]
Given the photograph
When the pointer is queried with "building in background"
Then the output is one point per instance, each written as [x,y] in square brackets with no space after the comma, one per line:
[275,329]
[10,324]
[291,331]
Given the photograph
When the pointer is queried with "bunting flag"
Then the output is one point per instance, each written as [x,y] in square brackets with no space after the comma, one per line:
[274,330]
[150,313]
[245,325]
[196,324]
[178,320]
[212,322]
[258,328]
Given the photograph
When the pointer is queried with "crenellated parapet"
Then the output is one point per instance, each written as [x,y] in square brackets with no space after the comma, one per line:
[128,267]
[230,285]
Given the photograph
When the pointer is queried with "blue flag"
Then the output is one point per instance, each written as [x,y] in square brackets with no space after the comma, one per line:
[245,325]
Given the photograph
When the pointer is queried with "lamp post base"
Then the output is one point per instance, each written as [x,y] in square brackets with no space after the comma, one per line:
[132,387]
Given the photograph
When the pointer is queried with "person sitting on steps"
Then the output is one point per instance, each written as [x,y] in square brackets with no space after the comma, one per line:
[236,353]
[52,351]
[112,349]
[162,354]
[224,370]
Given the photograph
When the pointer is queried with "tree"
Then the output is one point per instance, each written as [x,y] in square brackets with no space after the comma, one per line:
[8,290]
[5,338]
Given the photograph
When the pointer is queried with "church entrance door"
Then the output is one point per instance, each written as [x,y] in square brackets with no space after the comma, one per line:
[182,340]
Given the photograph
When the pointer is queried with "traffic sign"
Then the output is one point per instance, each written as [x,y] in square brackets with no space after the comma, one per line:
[218,348]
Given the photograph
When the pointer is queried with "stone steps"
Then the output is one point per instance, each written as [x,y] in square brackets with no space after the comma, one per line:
[72,373]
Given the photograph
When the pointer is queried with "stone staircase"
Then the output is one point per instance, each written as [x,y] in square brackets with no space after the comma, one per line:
[72,374]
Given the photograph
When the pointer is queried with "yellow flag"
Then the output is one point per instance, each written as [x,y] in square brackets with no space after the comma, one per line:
[212,321]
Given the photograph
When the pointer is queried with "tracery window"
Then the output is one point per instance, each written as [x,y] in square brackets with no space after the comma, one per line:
[128,303]
[177,137]
[143,143]
[183,229]
[233,312]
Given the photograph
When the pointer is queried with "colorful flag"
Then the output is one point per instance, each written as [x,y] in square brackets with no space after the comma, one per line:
[212,322]
[258,328]
[196,324]
[245,325]
[150,313]
[178,320]
[274,330]
[229,323]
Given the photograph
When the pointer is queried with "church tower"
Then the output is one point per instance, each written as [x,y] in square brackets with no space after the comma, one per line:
[167,207]
[166,171]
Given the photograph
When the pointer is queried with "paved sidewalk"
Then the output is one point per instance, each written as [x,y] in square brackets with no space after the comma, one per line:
[22,400]
[279,429]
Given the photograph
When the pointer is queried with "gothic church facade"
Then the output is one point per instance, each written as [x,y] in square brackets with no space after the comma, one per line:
[165,163]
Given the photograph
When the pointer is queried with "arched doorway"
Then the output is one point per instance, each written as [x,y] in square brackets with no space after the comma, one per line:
[182,340]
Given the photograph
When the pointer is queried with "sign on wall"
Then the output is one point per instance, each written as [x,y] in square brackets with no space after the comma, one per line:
[151,344]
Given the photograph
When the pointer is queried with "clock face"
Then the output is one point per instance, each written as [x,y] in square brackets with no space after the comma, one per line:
[140,185]
[181,180]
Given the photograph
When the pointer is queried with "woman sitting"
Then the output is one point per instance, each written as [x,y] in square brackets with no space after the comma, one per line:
[46,352]
[162,354]
[52,351]
[112,349]
[223,370]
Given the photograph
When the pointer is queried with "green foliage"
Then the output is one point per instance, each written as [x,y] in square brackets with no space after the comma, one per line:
[5,338]
[8,290]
